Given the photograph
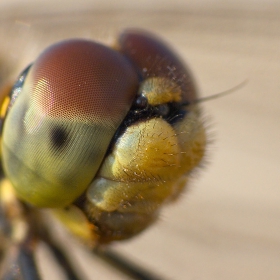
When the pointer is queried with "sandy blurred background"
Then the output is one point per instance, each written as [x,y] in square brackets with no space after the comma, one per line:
[227,226]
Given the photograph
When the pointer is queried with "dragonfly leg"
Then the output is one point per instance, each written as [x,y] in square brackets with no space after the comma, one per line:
[124,265]
[19,263]
[62,260]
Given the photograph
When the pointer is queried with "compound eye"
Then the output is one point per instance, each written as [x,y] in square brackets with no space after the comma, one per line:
[83,80]
[65,110]
[153,58]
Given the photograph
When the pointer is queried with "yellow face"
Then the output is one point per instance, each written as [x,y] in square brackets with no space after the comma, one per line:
[112,134]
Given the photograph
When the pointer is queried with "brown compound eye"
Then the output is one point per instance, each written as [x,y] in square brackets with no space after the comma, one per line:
[63,118]
[83,80]
[154,59]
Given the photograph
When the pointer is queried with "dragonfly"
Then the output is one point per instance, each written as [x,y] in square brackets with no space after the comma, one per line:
[204,233]
[103,136]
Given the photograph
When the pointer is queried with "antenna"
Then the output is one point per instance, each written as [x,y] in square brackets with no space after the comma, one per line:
[219,94]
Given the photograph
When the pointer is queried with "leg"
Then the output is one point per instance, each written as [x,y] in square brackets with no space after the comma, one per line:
[124,265]
[19,263]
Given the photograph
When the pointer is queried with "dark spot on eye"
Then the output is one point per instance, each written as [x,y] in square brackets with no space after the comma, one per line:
[58,137]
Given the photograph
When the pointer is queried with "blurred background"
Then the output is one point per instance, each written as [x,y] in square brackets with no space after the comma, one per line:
[227,225]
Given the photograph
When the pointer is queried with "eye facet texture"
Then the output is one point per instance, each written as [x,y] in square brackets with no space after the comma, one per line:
[56,133]
[83,80]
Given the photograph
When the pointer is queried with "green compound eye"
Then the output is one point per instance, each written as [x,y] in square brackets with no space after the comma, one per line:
[59,127]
